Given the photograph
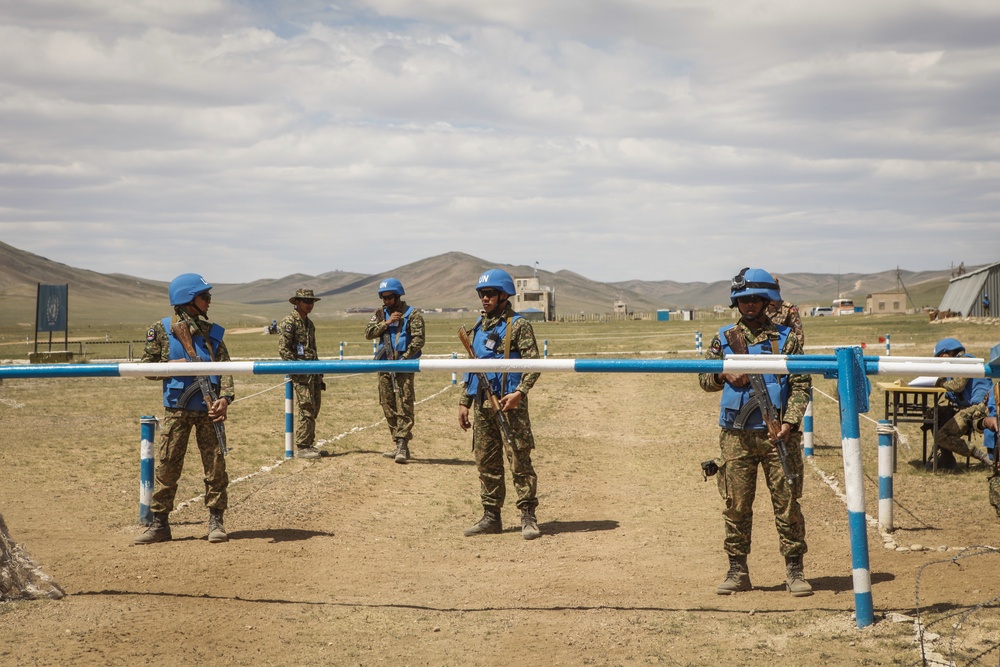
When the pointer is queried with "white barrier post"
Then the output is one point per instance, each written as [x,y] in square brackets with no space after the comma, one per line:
[454,375]
[888,352]
[147,433]
[289,414]
[848,382]
[341,350]
[545,348]
[885,475]
[807,427]
[697,342]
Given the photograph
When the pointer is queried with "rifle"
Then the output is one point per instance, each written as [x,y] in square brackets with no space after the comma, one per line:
[761,400]
[484,385]
[179,327]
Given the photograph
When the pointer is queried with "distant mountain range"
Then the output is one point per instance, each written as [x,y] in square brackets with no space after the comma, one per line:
[443,281]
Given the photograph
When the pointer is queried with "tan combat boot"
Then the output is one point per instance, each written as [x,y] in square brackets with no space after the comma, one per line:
[529,525]
[795,579]
[402,451]
[158,531]
[738,577]
[216,528]
[490,524]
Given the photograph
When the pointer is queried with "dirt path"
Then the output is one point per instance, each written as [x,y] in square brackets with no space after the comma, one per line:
[355,560]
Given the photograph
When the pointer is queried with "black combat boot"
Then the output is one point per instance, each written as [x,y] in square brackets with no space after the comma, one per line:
[795,579]
[158,531]
[216,529]
[529,525]
[490,524]
[738,577]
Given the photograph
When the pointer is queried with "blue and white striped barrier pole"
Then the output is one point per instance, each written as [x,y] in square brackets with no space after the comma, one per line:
[545,348]
[374,347]
[885,464]
[341,350]
[289,415]
[147,434]
[454,376]
[888,351]
[697,342]
[854,483]
[807,427]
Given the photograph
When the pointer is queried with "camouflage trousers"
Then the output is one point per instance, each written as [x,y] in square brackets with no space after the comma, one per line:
[308,400]
[490,448]
[170,454]
[995,492]
[398,410]
[742,453]
[951,434]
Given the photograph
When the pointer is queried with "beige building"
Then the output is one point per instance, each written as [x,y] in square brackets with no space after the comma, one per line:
[886,303]
[534,302]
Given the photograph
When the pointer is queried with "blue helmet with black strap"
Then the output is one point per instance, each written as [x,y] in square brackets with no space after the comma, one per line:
[185,287]
[392,286]
[497,279]
[948,345]
[754,282]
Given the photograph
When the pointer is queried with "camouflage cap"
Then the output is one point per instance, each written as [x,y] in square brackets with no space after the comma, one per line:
[305,295]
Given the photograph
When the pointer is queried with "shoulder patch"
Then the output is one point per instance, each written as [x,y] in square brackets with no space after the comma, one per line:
[373,320]
[716,346]
[150,335]
[288,327]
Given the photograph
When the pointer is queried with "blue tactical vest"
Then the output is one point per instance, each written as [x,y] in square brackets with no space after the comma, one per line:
[399,336]
[733,398]
[973,394]
[989,436]
[173,387]
[479,341]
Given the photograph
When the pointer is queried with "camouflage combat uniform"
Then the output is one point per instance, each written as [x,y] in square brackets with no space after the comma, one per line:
[297,340]
[177,427]
[488,444]
[744,450]
[787,315]
[959,422]
[398,412]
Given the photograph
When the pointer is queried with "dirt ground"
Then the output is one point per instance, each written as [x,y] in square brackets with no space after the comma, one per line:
[356,560]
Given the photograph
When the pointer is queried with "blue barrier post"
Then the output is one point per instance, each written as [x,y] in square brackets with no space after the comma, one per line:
[341,350]
[887,350]
[807,427]
[147,433]
[454,375]
[545,348]
[854,481]
[885,465]
[697,342]
[289,412]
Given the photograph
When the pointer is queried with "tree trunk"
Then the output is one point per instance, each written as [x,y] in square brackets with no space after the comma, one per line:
[20,578]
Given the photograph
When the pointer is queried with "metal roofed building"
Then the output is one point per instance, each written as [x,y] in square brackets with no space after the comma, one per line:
[965,292]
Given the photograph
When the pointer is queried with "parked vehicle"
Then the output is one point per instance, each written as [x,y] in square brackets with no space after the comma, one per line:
[821,311]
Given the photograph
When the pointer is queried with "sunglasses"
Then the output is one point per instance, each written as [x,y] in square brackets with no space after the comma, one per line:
[204,296]
[488,293]
[386,297]
[750,299]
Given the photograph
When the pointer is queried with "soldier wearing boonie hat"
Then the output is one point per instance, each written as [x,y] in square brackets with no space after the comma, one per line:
[297,341]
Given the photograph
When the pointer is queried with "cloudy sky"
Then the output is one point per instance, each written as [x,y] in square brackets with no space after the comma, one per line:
[652,139]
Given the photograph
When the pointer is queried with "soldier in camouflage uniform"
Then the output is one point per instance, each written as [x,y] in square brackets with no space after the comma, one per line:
[189,294]
[402,327]
[744,437]
[297,340]
[967,405]
[988,425]
[787,315]
[501,333]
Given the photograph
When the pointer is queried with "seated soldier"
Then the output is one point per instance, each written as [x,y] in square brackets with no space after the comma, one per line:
[967,406]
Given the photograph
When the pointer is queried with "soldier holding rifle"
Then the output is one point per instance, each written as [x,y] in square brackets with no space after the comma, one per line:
[499,405]
[400,332]
[190,402]
[749,439]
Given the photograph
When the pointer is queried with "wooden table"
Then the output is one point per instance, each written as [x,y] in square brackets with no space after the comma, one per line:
[913,405]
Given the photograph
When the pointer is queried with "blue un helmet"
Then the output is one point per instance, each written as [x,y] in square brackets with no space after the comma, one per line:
[497,279]
[754,282]
[185,287]
[391,285]
[948,345]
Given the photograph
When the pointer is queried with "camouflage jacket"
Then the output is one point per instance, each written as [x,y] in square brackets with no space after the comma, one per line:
[787,314]
[377,327]
[798,385]
[157,350]
[522,339]
[297,338]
